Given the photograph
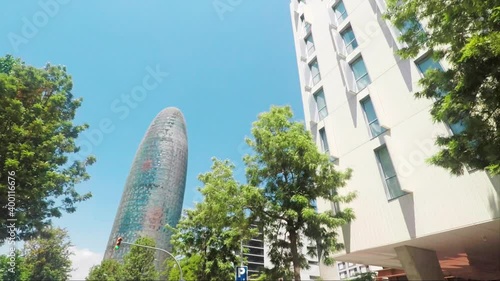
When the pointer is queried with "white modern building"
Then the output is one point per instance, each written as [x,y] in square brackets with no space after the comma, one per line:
[359,104]
[313,273]
[349,270]
[257,258]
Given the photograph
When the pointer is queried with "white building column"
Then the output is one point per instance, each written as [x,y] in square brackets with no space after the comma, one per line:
[419,264]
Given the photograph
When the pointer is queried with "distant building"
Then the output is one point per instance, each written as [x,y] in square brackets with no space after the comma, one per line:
[347,270]
[255,254]
[258,259]
[359,105]
[154,191]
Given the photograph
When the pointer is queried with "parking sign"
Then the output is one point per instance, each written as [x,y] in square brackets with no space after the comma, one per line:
[242,273]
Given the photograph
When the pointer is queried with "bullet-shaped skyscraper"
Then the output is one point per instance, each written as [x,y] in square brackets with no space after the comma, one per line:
[154,191]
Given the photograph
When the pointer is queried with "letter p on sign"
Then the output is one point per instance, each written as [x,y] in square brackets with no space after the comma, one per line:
[242,273]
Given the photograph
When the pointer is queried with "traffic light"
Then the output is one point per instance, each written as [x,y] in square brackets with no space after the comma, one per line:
[118,243]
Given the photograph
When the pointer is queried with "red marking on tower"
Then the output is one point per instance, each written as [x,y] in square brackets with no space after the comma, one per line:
[147,165]
[154,218]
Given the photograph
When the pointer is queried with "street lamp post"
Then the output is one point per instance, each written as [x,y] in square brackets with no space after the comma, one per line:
[163,250]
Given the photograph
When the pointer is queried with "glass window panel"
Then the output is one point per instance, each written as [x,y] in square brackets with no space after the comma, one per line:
[315,72]
[349,40]
[340,11]
[309,44]
[363,82]
[457,127]
[307,27]
[394,187]
[407,25]
[375,128]
[360,74]
[385,162]
[391,180]
[428,63]
[324,140]
[371,117]
[321,104]
[369,110]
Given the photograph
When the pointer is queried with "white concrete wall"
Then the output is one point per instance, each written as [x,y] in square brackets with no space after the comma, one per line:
[436,197]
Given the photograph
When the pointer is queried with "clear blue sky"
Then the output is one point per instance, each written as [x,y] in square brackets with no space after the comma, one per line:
[222,73]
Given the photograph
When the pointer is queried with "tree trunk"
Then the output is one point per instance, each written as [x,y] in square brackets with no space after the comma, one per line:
[295,255]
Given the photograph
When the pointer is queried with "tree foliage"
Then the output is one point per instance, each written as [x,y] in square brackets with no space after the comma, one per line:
[109,270]
[366,276]
[37,109]
[139,262]
[209,236]
[467,35]
[291,174]
[48,255]
[275,273]
[190,268]
[13,267]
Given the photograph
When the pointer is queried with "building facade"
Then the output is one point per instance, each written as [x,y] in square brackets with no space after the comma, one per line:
[359,104]
[257,258]
[154,191]
[254,254]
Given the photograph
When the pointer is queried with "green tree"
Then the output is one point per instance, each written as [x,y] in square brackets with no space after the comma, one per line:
[275,273]
[190,268]
[13,267]
[38,135]
[209,236]
[48,256]
[367,276]
[109,270]
[292,174]
[139,262]
[467,35]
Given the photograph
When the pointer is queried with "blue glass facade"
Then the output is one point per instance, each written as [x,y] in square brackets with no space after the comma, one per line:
[154,191]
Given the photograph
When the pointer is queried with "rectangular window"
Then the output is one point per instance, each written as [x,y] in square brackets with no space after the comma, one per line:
[343,275]
[393,189]
[341,265]
[340,12]
[353,272]
[309,44]
[307,27]
[360,74]
[316,76]
[324,140]
[411,24]
[371,117]
[428,63]
[349,40]
[457,127]
[321,104]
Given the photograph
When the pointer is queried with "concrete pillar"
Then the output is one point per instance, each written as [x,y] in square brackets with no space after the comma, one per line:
[419,264]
